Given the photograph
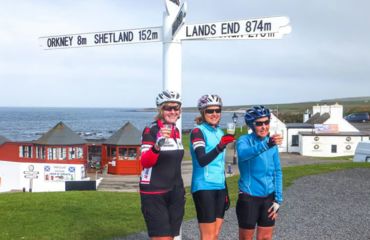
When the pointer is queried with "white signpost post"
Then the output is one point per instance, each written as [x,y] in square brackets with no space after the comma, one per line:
[171,34]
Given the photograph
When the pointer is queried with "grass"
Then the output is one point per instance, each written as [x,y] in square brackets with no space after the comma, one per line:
[349,158]
[103,215]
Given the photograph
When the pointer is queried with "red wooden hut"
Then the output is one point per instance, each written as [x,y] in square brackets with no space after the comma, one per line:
[121,152]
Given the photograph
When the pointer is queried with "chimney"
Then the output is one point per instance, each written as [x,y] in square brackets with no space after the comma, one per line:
[306,115]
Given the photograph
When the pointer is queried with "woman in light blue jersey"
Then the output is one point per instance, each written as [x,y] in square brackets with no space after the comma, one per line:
[260,182]
[207,145]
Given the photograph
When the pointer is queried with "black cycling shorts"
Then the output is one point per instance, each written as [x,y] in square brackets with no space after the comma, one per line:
[252,210]
[209,204]
[163,213]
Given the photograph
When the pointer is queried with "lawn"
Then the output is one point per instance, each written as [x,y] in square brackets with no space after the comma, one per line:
[101,215]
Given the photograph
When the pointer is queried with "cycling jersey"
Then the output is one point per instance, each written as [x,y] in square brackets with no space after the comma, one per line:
[211,174]
[259,166]
[162,169]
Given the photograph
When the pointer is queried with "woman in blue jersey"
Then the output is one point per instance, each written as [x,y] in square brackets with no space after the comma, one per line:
[207,145]
[161,186]
[260,182]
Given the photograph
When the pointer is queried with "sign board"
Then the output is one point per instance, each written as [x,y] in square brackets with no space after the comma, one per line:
[326,128]
[59,173]
[234,28]
[139,35]
[31,176]
[179,20]
[30,172]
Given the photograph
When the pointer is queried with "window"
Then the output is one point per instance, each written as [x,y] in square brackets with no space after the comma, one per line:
[40,152]
[127,154]
[132,153]
[25,151]
[333,148]
[123,153]
[295,140]
[75,153]
[57,153]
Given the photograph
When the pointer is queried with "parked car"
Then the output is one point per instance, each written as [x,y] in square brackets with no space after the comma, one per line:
[358,117]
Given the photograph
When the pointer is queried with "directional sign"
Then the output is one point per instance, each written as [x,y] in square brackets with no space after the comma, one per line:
[139,35]
[31,176]
[232,28]
[258,36]
[30,172]
[179,20]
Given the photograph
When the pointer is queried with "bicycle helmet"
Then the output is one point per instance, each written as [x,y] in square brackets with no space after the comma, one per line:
[254,113]
[209,100]
[168,96]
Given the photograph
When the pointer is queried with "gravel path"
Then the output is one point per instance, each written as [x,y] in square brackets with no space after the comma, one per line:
[327,206]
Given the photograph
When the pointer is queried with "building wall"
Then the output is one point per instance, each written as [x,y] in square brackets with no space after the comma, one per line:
[10,152]
[343,125]
[290,133]
[278,127]
[48,177]
[321,146]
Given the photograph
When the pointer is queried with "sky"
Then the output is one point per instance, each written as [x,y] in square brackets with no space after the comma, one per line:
[327,54]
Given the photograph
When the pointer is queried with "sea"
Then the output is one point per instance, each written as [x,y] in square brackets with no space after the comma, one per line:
[29,123]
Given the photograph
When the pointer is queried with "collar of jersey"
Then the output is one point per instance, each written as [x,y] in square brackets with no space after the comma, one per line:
[209,127]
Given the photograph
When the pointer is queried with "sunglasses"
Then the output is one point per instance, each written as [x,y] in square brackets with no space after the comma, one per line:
[170,108]
[210,111]
[260,123]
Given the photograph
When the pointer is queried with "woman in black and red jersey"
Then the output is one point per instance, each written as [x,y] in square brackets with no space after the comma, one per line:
[161,186]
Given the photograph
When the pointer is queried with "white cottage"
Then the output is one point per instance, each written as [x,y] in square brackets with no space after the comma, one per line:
[324,134]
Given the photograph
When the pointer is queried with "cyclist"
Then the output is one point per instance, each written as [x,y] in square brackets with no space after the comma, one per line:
[207,145]
[161,186]
[260,182]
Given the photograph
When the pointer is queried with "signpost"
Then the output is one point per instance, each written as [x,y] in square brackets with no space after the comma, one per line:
[31,175]
[171,34]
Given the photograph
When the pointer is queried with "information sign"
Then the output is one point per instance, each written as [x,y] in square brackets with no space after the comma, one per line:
[140,35]
[233,28]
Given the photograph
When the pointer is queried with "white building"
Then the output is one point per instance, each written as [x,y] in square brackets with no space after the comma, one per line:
[324,134]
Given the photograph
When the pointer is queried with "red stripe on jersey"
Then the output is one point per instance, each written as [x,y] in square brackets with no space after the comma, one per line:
[158,192]
[197,140]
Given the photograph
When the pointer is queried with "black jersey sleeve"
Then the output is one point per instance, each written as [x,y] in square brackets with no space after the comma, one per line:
[149,155]
[197,139]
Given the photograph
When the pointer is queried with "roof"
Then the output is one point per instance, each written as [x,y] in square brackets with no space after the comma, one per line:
[126,135]
[299,125]
[3,140]
[318,119]
[334,134]
[61,134]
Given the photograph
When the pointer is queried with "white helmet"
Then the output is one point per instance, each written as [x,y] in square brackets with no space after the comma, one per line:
[209,100]
[168,96]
